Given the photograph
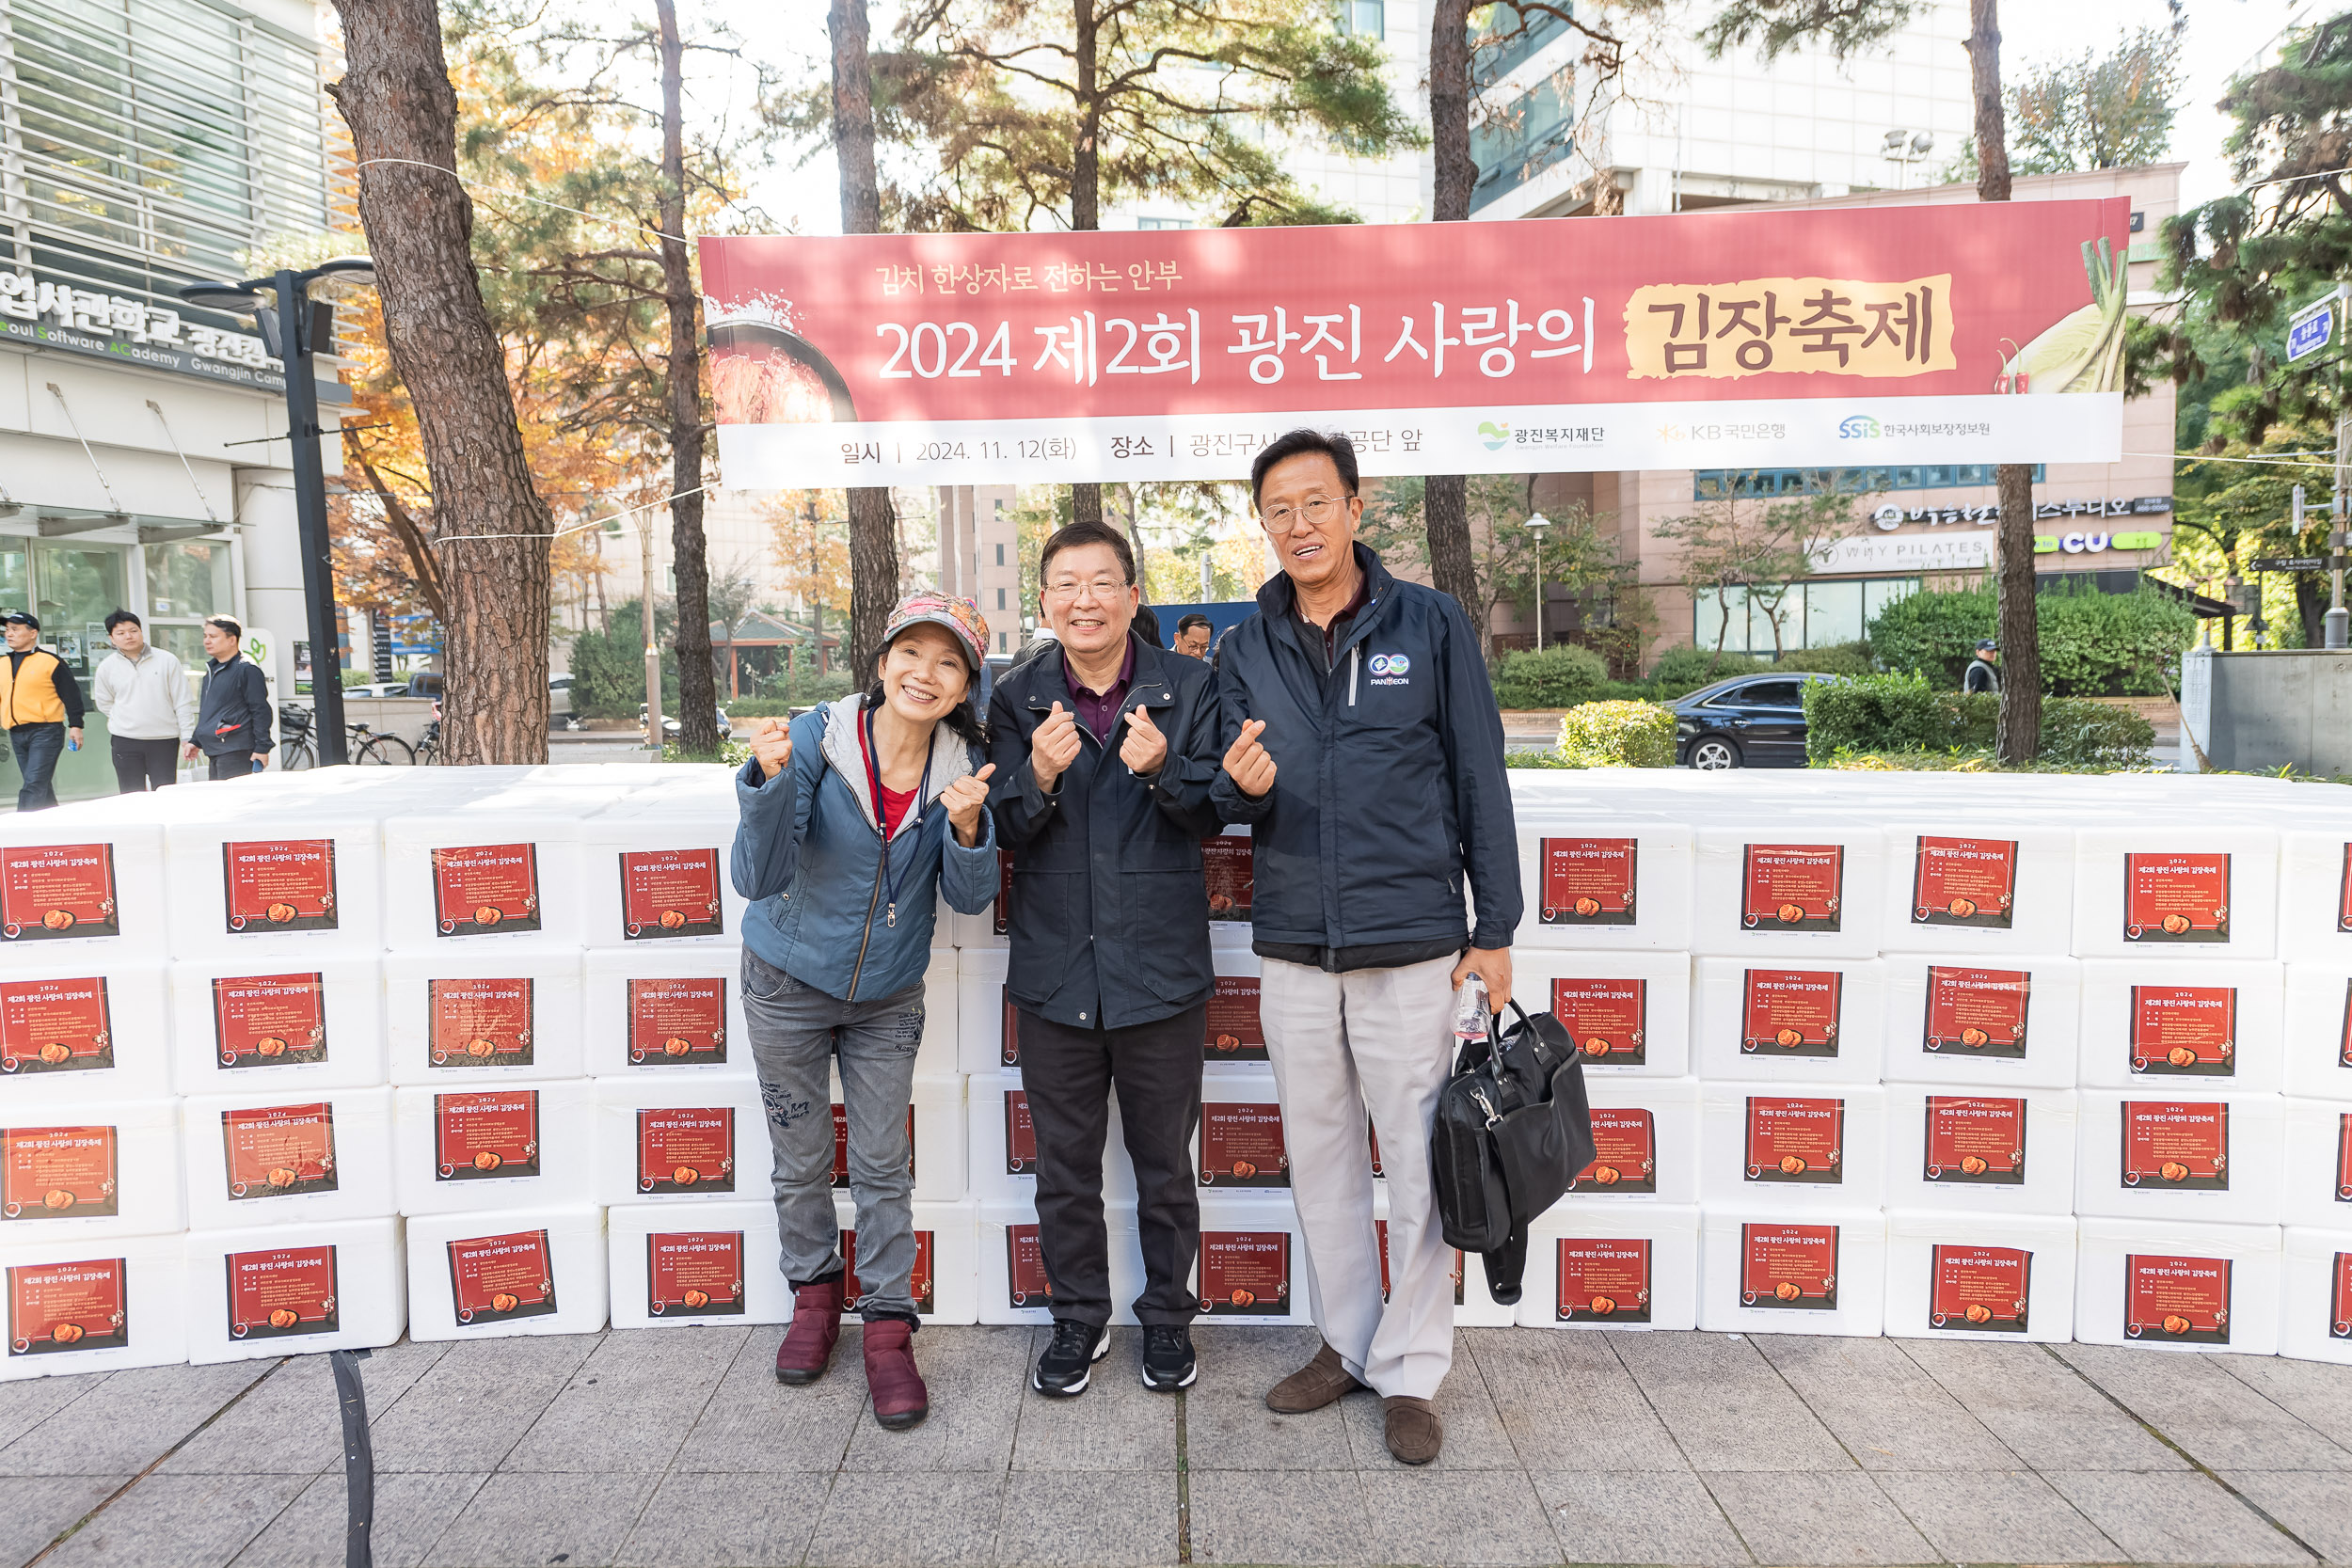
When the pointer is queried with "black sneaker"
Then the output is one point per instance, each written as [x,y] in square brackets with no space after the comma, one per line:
[1168,1360]
[1068,1363]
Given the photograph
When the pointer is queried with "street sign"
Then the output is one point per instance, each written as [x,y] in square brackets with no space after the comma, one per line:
[2311,328]
[2291,564]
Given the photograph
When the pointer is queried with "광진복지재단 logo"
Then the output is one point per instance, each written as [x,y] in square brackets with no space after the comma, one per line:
[1497,433]
[1857,427]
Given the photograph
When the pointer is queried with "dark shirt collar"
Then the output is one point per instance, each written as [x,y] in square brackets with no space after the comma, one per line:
[1098,713]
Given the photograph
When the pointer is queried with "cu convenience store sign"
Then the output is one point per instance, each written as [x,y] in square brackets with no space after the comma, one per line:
[1941,334]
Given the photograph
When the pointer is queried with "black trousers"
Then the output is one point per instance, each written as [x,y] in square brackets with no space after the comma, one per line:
[143,764]
[1068,1074]
[228,765]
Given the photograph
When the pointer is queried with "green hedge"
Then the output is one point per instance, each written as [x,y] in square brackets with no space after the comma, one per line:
[1555,678]
[1901,713]
[1618,735]
[1685,669]
[2093,644]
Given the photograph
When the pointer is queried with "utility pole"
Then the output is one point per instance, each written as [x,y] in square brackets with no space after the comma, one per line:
[2334,623]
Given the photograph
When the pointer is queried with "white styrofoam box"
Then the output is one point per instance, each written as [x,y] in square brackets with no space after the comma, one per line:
[986,1034]
[1980,1277]
[88,1303]
[75,1168]
[1646,1144]
[2008,1021]
[80,1031]
[296,1289]
[1629,1013]
[483,1015]
[1784,887]
[499,1274]
[1764,1270]
[936,1123]
[270,1159]
[2319,1031]
[654,867]
[971,932]
[1957,883]
[1229,866]
[1012,1284]
[2318,1180]
[662,1010]
[946,1281]
[2003,1153]
[1817,1020]
[942,1015]
[1002,1144]
[1253,1260]
[503,1145]
[71,882]
[503,866]
[2177,1285]
[2174,888]
[1598,1265]
[1240,1147]
[278,1014]
[295,876]
[1785,1147]
[674,1267]
[2196,1153]
[1603,881]
[2150,1025]
[672,1141]
[1475,1305]
[1234,1034]
[2316,1295]
[2315,895]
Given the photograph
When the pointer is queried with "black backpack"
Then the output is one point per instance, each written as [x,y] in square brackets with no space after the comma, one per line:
[1513,1130]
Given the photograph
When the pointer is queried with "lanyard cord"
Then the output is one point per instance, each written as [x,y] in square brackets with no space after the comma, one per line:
[882,812]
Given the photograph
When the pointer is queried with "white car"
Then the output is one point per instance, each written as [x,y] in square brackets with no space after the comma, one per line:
[559,714]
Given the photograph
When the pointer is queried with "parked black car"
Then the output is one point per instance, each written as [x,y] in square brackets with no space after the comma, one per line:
[1747,721]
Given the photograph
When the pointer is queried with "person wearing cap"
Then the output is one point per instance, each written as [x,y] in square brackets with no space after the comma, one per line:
[1984,672]
[855,818]
[1105,753]
[40,707]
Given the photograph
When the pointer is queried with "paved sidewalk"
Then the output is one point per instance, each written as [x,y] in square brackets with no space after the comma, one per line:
[678,1448]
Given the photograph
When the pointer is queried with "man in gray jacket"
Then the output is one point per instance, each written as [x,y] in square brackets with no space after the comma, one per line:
[148,704]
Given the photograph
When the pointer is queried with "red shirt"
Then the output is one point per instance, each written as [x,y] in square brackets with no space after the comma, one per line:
[895,804]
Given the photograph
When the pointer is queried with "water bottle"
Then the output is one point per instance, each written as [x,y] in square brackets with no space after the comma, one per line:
[1470,1012]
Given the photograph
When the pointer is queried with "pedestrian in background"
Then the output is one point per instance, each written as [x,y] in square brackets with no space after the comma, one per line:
[1984,672]
[1192,635]
[233,717]
[40,707]
[148,704]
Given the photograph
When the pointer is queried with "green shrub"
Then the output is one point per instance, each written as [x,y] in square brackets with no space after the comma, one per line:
[1685,669]
[2093,644]
[1555,678]
[2079,732]
[1841,658]
[1618,735]
[1904,714]
[1544,758]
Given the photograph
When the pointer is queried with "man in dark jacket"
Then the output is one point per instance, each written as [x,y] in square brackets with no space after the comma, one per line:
[1984,672]
[234,719]
[1366,751]
[1105,749]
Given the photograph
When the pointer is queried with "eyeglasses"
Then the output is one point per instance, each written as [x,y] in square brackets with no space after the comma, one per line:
[1317,513]
[1071,588]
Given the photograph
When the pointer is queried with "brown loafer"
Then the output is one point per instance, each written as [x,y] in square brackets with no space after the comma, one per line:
[1313,1387]
[1415,1433]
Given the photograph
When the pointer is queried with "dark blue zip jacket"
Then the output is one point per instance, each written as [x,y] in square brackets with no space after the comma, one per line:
[1390,785]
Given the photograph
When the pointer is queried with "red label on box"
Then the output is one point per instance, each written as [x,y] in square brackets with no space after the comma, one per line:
[269,1020]
[54,1026]
[694,1273]
[57,890]
[1004,892]
[1233,1033]
[2344,1158]
[1245,1272]
[1977,1013]
[1625,1154]
[2340,1298]
[479,1022]
[279,1150]
[2184,1030]
[1460,1276]
[1973,1141]
[1025,1268]
[279,885]
[677,1022]
[478,1136]
[1589,881]
[1603,1281]
[1965,881]
[493,1278]
[283,1292]
[1020,1135]
[683,1149]
[1009,1039]
[1791,1012]
[2176,898]
[1793,887]
[65,1307]
[2176,1143]
[918,1279]
[1607,1019]
[2167,1296]
[2343,893]
[488,887]
[1228,867]
[1796,1140]
[1979,1290]
[1793,1266]
[670,892]
[841,1146]
[2344,1043]
[1241,1145]
[57,1173]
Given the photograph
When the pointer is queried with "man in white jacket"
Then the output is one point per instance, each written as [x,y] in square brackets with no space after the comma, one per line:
[148,704]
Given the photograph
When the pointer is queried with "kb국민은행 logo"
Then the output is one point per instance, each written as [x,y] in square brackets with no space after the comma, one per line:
[1857,427]
[1497,433]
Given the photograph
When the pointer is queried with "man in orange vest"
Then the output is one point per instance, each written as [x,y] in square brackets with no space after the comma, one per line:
[41,706]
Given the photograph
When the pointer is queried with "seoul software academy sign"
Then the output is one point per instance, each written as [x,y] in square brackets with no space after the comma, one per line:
[59,315]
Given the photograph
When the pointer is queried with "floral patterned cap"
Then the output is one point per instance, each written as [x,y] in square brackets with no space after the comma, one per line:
[959,616]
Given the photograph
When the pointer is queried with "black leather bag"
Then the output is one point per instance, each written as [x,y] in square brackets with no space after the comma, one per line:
[1513,1130]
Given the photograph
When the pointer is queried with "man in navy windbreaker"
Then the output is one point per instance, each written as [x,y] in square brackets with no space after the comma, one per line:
[1365,752]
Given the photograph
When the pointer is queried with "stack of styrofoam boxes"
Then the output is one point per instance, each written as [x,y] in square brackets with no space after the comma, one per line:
[2316,940]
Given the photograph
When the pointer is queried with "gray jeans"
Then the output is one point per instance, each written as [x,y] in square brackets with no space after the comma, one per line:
[797,1032]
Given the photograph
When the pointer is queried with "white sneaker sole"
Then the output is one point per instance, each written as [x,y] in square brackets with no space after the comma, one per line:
[1101,1348]
[1184,1381]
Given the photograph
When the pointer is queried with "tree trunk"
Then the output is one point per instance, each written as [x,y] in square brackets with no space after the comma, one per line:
[1445,513]
[1086,186]
[697,690]
[873,521]
[396,96]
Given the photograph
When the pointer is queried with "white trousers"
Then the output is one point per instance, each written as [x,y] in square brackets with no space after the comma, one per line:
[1382,1040]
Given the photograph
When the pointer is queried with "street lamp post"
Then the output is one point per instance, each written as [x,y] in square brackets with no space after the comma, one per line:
[296,326]
[1535,524]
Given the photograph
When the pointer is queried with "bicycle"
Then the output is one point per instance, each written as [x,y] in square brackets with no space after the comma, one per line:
[428,746]
[299,749]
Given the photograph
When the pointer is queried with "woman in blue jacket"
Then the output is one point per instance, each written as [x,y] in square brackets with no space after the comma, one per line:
[854,819]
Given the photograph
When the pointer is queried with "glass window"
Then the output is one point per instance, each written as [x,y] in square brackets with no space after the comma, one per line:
[1880,592]
[1770,694]
[189,580]
[15,584]
[1366,18]
[1724,613]
[1714,483]
[1832,613]
[75,590]
[1763,611]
